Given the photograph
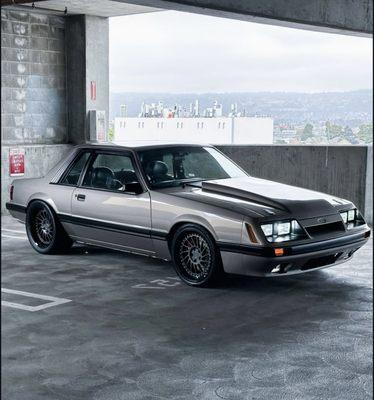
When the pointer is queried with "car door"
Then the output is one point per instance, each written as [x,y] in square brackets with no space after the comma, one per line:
[110,206]
[62,190]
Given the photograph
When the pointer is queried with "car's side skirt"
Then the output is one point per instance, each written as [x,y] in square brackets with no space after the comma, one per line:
[107,245]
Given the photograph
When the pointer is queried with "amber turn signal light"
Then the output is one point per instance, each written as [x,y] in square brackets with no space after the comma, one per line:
[251,234]
[279,252]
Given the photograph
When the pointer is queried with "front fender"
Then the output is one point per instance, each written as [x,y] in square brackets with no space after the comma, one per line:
[194,219]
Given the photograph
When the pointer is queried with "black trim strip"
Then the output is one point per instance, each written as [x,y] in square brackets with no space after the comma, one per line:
[129,230]
[329,243]
[245,249]
[268,251]
[159,235]
[15,207]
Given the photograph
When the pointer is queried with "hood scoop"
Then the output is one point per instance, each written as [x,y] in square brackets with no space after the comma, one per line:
[242,194]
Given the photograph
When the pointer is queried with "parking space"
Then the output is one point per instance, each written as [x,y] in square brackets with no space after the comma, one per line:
[129,329]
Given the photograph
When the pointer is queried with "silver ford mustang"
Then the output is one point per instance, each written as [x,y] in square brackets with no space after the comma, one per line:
[187,203]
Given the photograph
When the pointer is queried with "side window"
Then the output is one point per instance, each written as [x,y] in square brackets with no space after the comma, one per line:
[72,177]
[168,160]
[110,171]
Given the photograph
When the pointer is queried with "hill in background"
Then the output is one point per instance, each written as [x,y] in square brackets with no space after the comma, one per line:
[346,108]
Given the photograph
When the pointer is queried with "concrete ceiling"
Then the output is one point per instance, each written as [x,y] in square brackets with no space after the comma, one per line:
[351,17]
[101,8]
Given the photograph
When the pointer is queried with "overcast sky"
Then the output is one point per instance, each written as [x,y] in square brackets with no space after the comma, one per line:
[188,53]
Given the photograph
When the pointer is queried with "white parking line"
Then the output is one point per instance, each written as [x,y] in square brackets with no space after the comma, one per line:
[159,284]
[52,301]
[13,230]
[14,237]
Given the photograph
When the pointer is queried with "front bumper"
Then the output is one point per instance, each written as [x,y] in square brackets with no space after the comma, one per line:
[261,261]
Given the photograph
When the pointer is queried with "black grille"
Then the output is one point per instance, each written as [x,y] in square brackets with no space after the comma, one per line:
[324,229]
[320,261]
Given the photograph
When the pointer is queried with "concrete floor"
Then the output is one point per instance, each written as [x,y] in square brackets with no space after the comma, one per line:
[132,331]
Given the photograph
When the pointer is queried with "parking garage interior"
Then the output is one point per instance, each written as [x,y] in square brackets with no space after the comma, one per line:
[100,324]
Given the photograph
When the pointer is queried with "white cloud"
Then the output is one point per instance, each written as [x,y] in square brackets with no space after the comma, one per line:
[180,52]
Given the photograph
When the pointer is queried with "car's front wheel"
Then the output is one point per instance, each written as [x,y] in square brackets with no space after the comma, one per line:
[46,234]
[196,258]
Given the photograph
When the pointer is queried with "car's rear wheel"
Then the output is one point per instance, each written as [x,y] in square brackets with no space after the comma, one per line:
[46,234]
[196,258]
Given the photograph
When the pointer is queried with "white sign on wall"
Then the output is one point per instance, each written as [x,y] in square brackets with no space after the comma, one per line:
[97,128]
[100,126]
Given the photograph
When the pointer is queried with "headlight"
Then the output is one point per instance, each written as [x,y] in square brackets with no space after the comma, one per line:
[351,215]
[284,228]
[267,229]
[352,218]
[283,231]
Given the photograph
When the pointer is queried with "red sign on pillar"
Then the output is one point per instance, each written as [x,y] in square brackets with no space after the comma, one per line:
[16,162]
[93,90]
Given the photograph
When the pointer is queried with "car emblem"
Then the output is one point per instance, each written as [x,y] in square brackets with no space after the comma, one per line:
[321,220]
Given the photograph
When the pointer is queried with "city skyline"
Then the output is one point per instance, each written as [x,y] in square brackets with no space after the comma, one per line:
[288,106]
[339,118]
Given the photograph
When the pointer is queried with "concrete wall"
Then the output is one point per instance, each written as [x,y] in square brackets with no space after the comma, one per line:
[33,94]
[344,171]
[39,159]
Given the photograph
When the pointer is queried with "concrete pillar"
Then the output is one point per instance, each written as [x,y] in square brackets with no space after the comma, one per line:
[87,52]
[369,185]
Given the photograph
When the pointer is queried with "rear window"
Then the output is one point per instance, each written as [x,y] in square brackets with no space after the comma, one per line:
[72,177]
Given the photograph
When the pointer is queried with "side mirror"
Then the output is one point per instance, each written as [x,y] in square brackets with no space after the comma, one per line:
[133,187]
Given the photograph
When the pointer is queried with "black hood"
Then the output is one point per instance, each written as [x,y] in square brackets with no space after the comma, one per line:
[266,198]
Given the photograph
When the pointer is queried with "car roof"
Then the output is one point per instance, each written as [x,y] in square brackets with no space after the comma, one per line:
[140,145]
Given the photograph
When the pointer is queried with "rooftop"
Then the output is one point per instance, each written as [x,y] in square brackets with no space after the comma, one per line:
[142,144]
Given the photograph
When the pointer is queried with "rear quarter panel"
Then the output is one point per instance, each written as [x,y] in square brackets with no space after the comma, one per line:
[57,196]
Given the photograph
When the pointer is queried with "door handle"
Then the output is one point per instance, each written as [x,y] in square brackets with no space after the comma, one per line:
[80,197]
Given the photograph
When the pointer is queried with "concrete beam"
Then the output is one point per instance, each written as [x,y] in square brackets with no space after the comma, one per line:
[87,52]
[335,16]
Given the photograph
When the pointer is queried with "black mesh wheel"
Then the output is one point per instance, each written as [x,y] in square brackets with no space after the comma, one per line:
[195,255]
[43,228]
[46,234]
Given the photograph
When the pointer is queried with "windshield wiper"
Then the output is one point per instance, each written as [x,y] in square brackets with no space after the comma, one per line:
[176,183]
[190,182]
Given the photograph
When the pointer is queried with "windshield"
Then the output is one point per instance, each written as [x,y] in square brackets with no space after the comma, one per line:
[172,166]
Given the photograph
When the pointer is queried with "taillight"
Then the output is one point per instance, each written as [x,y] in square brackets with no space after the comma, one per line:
[11,192]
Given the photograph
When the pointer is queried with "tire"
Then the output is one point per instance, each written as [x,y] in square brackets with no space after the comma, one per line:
[196,257]
[44,230]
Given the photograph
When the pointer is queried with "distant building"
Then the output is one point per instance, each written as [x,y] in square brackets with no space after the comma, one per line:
[123,110]
[218,130]
[196,109]
[286,135]
[158,110]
